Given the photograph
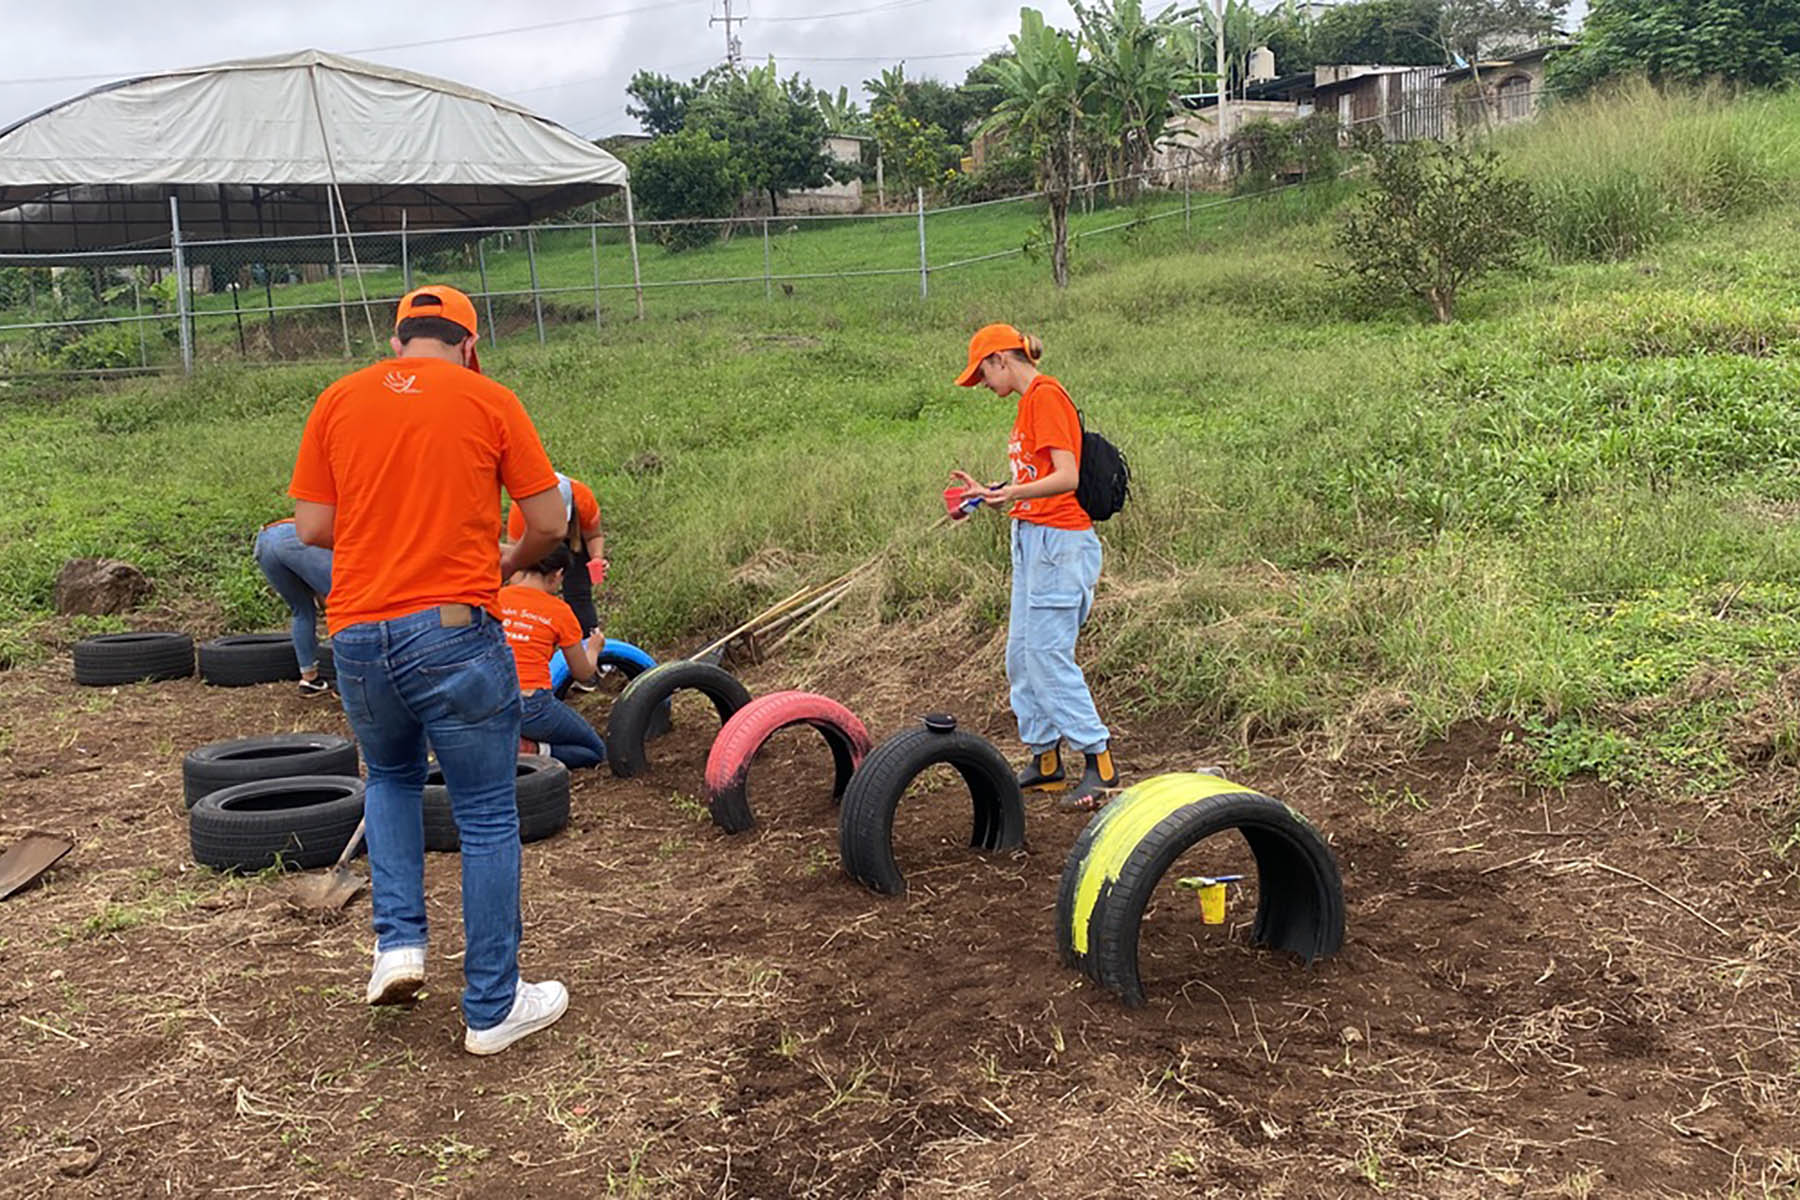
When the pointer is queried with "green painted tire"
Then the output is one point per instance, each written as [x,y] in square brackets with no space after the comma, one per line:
[1121,857]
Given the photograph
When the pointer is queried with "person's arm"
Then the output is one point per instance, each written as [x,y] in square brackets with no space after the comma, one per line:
[1065,473]
[544,527]
[314,523]
[579,654]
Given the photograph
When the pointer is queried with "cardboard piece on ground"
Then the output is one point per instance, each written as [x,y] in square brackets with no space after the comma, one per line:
[28,859]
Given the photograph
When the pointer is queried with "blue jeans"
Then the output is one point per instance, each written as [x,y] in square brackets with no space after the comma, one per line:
[298,573]
[1054,573]
[573,742]
[407,681]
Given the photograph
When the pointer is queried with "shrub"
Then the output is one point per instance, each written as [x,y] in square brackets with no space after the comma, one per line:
[106,347]
[997,179]
[687,174]
[1437,218]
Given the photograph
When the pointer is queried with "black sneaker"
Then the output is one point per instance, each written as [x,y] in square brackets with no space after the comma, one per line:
[315,687]
[1044,773]
[1098,779]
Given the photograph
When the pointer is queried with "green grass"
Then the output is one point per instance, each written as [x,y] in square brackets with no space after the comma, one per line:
[1576,508]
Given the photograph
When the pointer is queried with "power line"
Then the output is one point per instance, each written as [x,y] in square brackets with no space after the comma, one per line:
[443,41]
[850,12]
[857,58]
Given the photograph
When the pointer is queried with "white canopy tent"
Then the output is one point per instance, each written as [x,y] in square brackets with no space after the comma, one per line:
[262,147]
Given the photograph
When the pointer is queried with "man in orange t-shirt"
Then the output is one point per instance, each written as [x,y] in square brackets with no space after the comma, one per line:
[538,624]
[399,471]
[587,548]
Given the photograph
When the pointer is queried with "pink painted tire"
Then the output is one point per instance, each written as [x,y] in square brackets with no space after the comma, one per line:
[728,766]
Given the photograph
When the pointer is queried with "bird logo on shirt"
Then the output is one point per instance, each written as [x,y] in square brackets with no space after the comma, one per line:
[401,384]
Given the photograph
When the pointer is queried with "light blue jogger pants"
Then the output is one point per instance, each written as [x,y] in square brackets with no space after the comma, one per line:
[1054,573]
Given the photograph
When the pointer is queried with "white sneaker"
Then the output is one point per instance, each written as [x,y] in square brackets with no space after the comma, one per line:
[398,975]
[535,1006]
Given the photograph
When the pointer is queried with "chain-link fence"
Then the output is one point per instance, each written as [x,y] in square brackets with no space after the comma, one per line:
[180,303]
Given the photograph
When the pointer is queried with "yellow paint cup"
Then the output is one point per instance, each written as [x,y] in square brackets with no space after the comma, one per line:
[1212,902]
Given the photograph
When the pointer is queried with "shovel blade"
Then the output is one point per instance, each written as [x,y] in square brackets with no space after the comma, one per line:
[29,858]
[332,890]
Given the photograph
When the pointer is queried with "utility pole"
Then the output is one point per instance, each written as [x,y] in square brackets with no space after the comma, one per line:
[1219,28]
[734,46]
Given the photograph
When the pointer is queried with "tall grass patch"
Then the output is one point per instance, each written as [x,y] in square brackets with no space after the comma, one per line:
[1626,169]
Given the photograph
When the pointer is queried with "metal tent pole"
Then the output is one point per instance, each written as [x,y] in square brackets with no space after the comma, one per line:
[405,254]
[637,278]
[537,297]
[181,286]
[337,269]
[487,297]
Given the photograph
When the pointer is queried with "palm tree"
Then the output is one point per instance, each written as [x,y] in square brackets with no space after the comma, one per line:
[842,114]
[1041,90]
[1137,65]
[888,89]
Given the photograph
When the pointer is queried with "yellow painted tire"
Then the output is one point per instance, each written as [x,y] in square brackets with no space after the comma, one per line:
[1123,854]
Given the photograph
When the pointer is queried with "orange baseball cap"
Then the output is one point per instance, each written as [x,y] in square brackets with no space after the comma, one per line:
[989,339]
[439,300]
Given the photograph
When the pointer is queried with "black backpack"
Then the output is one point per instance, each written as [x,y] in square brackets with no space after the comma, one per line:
[1105,481]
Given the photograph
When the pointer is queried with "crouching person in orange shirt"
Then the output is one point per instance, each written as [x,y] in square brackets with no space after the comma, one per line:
[538,624]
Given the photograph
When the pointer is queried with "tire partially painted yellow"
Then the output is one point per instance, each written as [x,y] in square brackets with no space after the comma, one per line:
[1121,857]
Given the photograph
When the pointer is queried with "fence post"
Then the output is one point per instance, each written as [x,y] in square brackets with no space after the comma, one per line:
[487,297]
[537,297]
[181,287]
[337,268]
[137,306]
[405,254]
[594,249]
[768,277]
[924,270]
[1187,194]
[637,279]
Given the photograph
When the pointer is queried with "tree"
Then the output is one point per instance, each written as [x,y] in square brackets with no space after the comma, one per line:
[1137,64]
[1434,219]
[930,102]
[662,102]
[888,89]
[1394,32]
[1753,43]
[687,174]
[841,113]
[775,129]
[918,154]
[1041,90]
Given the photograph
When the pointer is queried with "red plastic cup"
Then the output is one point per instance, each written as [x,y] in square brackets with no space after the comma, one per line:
[953,498]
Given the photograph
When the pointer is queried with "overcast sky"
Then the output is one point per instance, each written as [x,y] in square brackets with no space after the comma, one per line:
[572,68]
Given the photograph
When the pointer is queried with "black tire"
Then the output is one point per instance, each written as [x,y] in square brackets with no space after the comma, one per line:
[273,756]
[303,821]
[866,822]
[629,723]
[1122,856]
[243,659]
[543,803]
[114,658]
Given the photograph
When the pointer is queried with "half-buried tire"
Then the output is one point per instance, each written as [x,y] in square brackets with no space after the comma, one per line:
[1123,854]
[303,821]
[866,821]
[114,658]
[543,790]
[632,713]
[272,756]
[243,659]
[615,658]
[728,766]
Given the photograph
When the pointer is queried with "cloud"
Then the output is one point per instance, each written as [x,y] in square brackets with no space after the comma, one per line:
[574,72]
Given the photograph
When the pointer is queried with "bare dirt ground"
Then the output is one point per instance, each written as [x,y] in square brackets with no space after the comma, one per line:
[1576,993]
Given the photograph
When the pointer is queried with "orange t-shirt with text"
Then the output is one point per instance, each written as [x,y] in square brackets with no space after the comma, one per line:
[1046,422]
[537,626]
[587,513]
[413,453]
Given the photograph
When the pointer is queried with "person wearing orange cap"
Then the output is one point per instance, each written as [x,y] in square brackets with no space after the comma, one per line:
[399,471]
[1055,564]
